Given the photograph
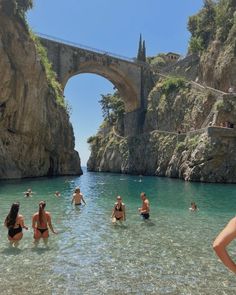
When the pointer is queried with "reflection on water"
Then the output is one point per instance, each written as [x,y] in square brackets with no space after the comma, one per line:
[169,254]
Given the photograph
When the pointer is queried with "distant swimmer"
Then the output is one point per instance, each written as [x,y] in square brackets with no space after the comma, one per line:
[140,178]
[145,209]
[77,197]
[28,193]
[57,194]
[118,211]
[193,207]
[15,223]
[41,220]
[225,237]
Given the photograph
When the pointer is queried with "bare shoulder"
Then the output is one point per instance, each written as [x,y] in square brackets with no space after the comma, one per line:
[35,215]
[48,214]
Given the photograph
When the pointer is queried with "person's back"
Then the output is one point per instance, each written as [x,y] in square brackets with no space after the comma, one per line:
[41,220]
[44,223]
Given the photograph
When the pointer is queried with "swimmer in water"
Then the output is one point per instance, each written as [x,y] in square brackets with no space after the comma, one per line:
[193,207]
[15,223]
[28,193]
[57,194]
[77,197]
[41,221]
[145,209]
[118,212]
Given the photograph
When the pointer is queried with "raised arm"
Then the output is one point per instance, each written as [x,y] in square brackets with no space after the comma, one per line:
[222,241]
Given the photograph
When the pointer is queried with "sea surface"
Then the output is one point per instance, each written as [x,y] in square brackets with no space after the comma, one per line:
[170,254]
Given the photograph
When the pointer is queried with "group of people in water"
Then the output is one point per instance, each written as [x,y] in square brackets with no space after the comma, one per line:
[41,223]
[41,220]
[118,211]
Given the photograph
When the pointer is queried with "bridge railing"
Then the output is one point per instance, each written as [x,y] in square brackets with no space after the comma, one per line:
[81,46]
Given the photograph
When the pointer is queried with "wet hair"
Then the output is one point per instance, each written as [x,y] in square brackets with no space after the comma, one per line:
[143,194]
[42,216]
[77,189]
[12,215]
[194,204]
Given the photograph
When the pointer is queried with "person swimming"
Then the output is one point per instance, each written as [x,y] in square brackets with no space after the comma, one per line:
[15,223]
[57,194]
[41,220]
[193,207]
[28,193]
[77,197]
[118,211]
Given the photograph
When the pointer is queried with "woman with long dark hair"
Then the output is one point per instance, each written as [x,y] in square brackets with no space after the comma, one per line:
[41,220]
[15,223]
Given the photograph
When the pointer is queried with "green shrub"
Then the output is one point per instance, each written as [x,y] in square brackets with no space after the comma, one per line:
[196,45]
[50,74]
[171,84]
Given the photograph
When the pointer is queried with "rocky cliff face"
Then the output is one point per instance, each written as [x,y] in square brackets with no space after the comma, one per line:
[36,138]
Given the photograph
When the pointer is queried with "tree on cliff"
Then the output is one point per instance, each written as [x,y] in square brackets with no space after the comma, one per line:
[24,5]
[202,27]
[213,22]
[112,107]
[11,7]
[141,56]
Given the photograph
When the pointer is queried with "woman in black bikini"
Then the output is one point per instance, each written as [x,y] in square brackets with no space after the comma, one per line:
[15,223]
[41,220]
[118,212]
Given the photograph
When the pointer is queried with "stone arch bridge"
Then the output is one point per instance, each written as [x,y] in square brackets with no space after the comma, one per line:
[69,59]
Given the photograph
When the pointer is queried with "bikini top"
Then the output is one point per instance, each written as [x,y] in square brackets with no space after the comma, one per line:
[118,208]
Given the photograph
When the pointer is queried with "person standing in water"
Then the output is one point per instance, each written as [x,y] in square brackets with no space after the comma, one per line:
[15,223]
[145,209]
[41,220]
[118,212]
[77,197]
[225,237]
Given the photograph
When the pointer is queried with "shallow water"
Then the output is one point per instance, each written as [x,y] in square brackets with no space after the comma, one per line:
[170,254]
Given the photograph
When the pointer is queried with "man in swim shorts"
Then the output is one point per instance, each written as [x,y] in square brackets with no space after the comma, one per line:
[77,197]
[145,209]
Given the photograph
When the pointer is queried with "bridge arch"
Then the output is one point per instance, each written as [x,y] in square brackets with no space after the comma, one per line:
[68,61]
[122,83]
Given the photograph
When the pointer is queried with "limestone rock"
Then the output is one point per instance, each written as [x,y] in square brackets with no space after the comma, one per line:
[36,137]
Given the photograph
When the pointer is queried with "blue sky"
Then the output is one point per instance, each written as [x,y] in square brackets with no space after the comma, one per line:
[113,26]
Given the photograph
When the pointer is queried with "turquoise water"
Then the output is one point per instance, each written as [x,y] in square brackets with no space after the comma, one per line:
[170,254]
